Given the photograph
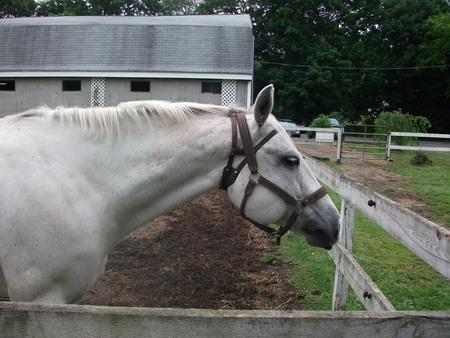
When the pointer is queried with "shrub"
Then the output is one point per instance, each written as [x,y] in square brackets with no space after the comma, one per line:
[398,121]
[320,121]
[421,158]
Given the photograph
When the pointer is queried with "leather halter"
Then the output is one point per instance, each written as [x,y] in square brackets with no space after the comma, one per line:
[230,175]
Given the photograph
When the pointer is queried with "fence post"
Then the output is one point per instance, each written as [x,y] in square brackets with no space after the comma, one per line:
[388,147]
[340,289]
[339,145]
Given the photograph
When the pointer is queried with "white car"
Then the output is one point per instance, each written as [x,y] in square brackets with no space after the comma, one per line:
[334,122]
[291,128]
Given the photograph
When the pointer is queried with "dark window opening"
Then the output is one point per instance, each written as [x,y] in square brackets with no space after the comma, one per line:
[212,87]
[7,85]
[71,85]
[140,86]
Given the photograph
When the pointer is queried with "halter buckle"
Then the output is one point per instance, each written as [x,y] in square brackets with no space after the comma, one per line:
[299,207]
[251,177]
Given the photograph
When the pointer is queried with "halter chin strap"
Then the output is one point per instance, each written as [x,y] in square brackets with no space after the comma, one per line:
[230,175]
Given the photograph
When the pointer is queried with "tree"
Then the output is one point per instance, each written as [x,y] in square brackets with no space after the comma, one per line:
[115,7]
[17,8]
[225,7]
[402,30]
[178,7]
[306,35]
[351,56]
[435,49]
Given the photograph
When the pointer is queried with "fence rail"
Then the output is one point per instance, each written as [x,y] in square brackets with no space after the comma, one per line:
[418,147]
[388,143]
[426,239]
[37,320]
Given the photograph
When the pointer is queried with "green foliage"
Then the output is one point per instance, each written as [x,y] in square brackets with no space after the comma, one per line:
[320,121]
[116,7]
[17,8]
[269,258]
[435,50]
[399,121]
[223,7]
[421,158]
[314,55]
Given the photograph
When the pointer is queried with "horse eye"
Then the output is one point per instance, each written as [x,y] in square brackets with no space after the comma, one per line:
[291,161]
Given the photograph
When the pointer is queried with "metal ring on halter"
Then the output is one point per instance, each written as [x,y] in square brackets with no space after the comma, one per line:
[254,173]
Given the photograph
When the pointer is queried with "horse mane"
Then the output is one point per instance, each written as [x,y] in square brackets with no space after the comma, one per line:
[108,120]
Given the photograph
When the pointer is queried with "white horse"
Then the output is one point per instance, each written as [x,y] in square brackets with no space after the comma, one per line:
[74,182]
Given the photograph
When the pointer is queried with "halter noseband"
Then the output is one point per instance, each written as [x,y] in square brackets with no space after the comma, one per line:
[230,175]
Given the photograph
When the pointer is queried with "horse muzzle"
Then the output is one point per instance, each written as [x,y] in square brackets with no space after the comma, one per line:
[323,237]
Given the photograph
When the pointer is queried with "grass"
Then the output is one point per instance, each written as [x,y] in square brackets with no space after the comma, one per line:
[430,182]
[408,282]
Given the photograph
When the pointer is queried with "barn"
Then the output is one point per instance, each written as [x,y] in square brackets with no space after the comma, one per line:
[102,61]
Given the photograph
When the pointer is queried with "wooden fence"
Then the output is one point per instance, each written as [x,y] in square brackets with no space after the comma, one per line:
[418,147]
[426,239]
[383,148]
[37,320]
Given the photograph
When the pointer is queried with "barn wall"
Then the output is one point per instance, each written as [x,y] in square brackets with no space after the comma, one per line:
[33,92]
[118,90]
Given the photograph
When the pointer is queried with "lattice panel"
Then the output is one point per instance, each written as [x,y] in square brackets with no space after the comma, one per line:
[98,86]
[228,92]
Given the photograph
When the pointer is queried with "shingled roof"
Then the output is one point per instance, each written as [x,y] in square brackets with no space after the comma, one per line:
[182,44]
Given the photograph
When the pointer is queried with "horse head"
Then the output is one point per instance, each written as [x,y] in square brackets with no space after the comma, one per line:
[273,184]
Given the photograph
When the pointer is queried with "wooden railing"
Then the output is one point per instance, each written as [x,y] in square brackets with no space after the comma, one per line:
[39,320]
[419,147]
[426,239]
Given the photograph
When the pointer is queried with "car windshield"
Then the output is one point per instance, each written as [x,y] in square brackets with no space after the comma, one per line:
[334,122]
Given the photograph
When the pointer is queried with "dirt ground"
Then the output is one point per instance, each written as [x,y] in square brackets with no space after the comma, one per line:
[201,255]
[204,255]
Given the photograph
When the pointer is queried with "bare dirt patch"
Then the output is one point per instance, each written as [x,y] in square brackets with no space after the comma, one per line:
[201,255]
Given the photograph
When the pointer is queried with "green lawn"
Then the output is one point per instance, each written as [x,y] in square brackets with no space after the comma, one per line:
[431,182]
[408,282]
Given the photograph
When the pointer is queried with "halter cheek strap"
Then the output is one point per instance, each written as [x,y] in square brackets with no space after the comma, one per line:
[230,175]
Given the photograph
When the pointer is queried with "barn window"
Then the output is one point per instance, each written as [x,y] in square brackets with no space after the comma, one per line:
[140,86]
[212,87]
[7,85]
[71,85]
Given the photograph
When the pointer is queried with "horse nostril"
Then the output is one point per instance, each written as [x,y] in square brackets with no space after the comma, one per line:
[336,232]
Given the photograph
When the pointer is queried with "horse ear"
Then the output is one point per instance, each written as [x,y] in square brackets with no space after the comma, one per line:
[263,105]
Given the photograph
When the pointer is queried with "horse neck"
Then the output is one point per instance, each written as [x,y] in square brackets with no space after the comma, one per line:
[153,172]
